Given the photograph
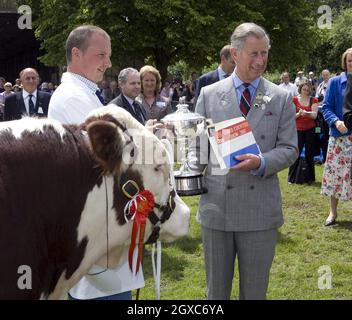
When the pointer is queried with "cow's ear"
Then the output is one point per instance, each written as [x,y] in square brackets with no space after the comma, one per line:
[107,143]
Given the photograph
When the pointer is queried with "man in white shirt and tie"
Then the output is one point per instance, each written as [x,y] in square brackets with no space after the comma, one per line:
[28,102]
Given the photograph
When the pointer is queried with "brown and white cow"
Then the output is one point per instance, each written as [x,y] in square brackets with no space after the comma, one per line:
[60,189]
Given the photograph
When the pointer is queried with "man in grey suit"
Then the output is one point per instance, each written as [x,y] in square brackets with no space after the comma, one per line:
[242,210]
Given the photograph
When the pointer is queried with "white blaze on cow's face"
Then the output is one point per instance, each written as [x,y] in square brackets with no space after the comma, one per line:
[148,156]
[158,178]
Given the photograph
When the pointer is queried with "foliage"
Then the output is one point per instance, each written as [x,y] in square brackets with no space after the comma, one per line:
[305,245]
[274,77]
[180,69]
[333,42]
[167,31]
[291,26]
[341,34]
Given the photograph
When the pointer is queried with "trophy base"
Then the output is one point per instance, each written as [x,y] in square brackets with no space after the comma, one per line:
[189,184]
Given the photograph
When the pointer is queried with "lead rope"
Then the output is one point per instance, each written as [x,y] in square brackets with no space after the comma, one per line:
[139,289]
[157,270]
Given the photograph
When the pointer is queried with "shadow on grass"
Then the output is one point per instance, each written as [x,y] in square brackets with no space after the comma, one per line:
[171,266]
[284,239]
[343,225]
[316,185]
[187,244]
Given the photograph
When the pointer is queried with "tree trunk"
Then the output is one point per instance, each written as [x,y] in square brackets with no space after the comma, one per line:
[161,63]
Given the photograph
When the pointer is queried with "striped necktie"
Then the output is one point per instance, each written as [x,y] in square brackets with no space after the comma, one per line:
[245,103]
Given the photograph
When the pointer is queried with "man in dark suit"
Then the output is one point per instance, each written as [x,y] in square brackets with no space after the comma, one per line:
[226,67]
[28,102]
[130,85]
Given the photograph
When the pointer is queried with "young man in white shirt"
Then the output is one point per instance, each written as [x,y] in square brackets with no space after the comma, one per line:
[88,51]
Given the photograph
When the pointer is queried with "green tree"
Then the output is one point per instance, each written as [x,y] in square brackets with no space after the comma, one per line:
[166,31]
[341,35]
[334,41]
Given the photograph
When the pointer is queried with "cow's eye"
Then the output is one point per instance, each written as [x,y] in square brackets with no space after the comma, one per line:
[157,168]
[132,153]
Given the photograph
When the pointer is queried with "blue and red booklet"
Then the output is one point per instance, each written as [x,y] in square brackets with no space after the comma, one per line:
[231,138]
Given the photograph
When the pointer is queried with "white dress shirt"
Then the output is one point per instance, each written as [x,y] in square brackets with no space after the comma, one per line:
[290,87]
[222,74]
[25,96]
[73,100]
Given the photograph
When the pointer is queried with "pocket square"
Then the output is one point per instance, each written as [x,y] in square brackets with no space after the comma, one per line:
[268,113]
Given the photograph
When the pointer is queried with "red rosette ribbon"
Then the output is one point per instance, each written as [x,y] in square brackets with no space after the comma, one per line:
[140,207]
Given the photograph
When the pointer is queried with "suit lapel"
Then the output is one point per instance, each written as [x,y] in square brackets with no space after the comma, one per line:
[257,111]
[132,111]
[127,106]
[215,76]
[38,102]
[142,110]
[230,105]
[228,99]
[20,104]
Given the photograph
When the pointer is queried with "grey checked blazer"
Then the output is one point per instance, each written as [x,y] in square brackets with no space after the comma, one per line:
[240,201]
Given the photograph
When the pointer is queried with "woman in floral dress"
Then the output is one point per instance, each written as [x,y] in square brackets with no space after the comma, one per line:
[337,171]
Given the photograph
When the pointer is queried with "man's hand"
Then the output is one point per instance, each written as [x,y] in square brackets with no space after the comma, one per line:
[248,162]
[153,124]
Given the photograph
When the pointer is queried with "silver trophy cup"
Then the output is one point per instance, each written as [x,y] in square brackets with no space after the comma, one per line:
[187,126]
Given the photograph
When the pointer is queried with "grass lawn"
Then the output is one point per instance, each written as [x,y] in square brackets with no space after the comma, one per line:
[305,252]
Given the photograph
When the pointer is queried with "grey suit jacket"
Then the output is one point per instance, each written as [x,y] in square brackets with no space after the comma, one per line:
[240,201]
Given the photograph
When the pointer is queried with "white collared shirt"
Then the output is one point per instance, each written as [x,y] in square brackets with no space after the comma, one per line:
[290,87]
[238,84]
[72,101]
[221,73]
[25,96]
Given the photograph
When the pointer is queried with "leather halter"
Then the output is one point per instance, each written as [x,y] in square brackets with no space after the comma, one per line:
[166,210]
[153,217]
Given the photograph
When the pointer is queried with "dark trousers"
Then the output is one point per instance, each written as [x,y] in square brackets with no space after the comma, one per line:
[308,140]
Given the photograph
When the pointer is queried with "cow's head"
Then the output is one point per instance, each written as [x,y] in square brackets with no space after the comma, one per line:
[137,160]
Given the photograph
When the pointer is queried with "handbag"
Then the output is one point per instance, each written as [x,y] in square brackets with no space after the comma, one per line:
[319,122]
[300,172]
